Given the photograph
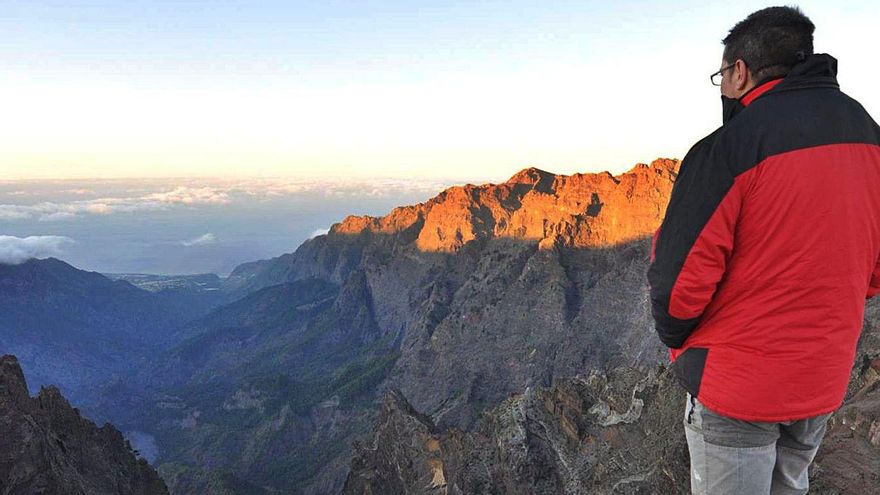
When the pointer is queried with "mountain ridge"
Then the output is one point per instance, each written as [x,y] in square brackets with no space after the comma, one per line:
[46,446]
[78,329]
[533,204]
[594,210]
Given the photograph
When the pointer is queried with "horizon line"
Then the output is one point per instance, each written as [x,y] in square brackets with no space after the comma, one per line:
[301,176]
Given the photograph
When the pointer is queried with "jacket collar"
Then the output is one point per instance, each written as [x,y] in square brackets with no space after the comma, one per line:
[816,71]
[753,94]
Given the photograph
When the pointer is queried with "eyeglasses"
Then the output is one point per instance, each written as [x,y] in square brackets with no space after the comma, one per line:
[717,76]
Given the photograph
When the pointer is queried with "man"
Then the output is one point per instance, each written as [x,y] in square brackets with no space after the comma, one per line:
[762,265]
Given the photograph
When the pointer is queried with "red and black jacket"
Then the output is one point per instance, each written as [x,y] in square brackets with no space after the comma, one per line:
[769,248]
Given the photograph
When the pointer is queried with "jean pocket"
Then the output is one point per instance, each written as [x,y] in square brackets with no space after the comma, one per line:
[722,430]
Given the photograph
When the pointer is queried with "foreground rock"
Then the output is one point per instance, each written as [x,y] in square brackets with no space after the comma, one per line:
[619,432]
[47,447]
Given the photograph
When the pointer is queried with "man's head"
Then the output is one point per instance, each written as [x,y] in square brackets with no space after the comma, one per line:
[767,43]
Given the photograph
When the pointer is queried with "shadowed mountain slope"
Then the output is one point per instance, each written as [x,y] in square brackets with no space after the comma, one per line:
[46,446]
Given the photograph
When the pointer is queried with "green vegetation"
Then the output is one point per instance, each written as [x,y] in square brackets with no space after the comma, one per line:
[358,378]
[228,427]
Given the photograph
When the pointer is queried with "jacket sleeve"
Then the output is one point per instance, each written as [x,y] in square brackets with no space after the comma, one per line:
[691,250]
[874,285]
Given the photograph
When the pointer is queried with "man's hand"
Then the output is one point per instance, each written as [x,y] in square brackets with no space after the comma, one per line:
[874,285]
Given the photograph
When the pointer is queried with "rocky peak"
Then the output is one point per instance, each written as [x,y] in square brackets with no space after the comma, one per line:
[395,406]
[531,175]
[375,465]
[580,210]
[13,388]
[47,447]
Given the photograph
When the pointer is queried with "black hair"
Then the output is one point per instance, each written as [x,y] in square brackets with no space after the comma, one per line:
[770,41]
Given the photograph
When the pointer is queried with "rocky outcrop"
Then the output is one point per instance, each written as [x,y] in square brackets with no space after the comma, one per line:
[616,432]
[402,436]
[46,446]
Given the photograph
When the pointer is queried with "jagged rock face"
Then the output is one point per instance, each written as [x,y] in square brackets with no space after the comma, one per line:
[328,257]
[514,316]
[47,447]
[404,436]
[619,432]
[581,210]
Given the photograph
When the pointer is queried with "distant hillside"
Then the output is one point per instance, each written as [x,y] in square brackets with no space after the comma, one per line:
[80,330]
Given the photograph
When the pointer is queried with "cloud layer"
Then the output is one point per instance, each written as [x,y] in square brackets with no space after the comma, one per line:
[200,240]
[157,197]
[48,211]
[14,250]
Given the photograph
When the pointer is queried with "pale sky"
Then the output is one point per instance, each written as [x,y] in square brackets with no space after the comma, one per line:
[409,89]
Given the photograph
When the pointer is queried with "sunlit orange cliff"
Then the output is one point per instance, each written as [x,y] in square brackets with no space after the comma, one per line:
[580,210]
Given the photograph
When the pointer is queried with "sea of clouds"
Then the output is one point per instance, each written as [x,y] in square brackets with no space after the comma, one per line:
[186,225]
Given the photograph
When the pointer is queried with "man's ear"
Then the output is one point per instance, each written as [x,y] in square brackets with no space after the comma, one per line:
[741,76]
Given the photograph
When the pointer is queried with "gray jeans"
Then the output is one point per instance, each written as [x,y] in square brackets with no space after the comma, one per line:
[735,457]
